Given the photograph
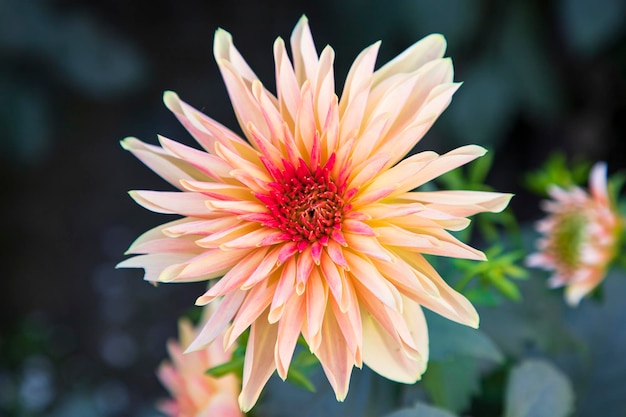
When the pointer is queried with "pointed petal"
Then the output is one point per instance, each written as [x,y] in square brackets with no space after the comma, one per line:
[305,58]
[166,202]
[259,362]
[427,49]
[380,350]
[170,168]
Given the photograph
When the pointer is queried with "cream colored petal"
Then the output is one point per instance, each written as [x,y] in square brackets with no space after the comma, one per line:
[390,321]
[461,203]
[358,82]
[259,362]
[380,350]
[202,227]
[252,310]
[390,99]
[316,301]
[393,178]
[154,264]
[288,333]
[385,211]
[367,245]
[165,202]
[168,167]
[215,240]
[427,49]
[212,263]
[268,265]
[205,130]
[367,170]
[324,93]
[218,190]
[236,207]
[286,83]
[305,58]
[224,49]
[218,321]
[156,234]
[333,278]
[284,290]
[428,219]
[235,277]
[211,165]
[365,143]
[403,141]
[450,304]
[166,245]
[369,277]
[246,107]
[430,241]
[349,321]
[335,357]
[417,101]
[419,174]
[306,129]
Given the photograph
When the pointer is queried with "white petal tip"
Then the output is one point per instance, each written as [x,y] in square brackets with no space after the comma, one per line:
[128,142]
[171,100]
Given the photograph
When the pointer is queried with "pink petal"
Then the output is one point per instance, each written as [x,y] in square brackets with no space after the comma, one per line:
[183,203]
[211,165]
[461,203]
[259,362]
[316,300]
[335,357]
[218,321]
[368,276]
[251,311]
[154,264]
[284,290]
[380,351]
[304,54]
[235,277]
[288,333]
[170,168]
[286,83]
[427,49]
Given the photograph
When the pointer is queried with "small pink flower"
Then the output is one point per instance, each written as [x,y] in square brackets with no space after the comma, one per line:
[194,393]
[310,226]
[579,236]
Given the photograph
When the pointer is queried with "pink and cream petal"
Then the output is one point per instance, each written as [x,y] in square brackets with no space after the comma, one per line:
[259,362]
[170,168]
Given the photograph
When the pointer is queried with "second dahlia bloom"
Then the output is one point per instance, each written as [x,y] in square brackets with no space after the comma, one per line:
[580,236]
[194,393]
[309,225]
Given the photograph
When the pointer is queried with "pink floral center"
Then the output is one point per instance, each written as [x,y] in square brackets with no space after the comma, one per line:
[306,204]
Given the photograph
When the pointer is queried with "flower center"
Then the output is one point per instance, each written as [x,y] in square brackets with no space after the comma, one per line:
[307,205]
[569,235]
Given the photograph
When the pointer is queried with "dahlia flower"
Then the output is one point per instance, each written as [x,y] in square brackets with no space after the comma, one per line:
[308,225]
[196,394]
[580,235]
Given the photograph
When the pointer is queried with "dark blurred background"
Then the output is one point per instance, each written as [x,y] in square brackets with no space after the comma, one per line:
[79,338]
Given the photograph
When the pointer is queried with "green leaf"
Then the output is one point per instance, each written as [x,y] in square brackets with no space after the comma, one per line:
[235,365]
[452,384]
[483,296]
[506,287]
[478,170]
[421,410]
[299,379]
[538,389]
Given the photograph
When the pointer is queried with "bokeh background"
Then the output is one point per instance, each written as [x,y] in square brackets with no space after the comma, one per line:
[79,338]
